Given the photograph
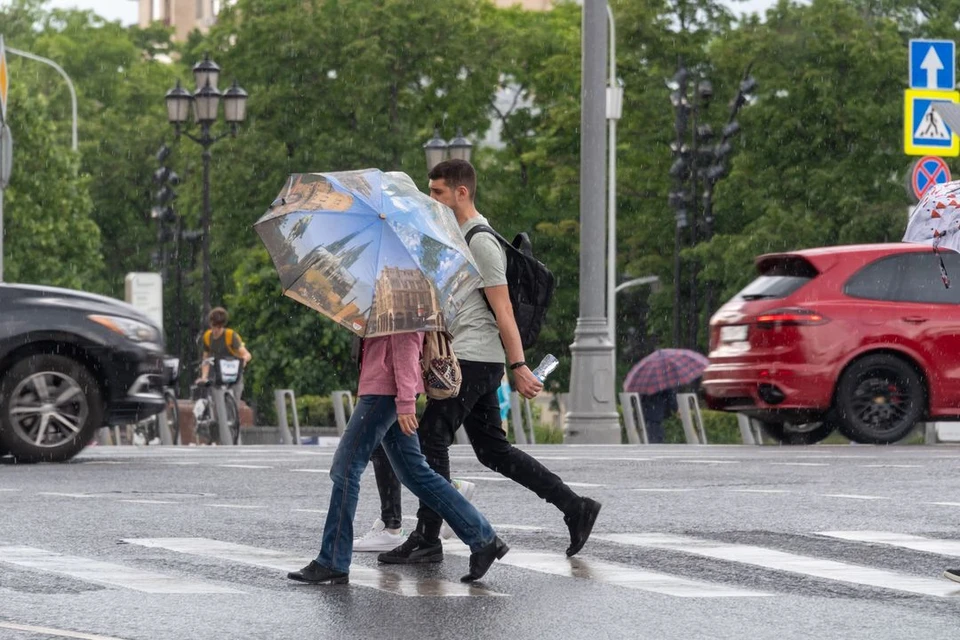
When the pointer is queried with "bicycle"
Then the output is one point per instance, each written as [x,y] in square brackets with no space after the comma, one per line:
[227,374]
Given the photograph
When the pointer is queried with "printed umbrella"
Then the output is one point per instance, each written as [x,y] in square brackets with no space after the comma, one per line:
[936,221]
[665,369]
[368,250]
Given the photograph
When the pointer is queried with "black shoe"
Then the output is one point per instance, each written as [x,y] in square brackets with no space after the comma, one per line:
[415,550]
[481,561]
[580,523]
[952,574]
[318,574]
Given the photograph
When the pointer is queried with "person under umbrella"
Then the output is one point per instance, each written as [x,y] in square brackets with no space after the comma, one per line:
[350,245]
[656,380]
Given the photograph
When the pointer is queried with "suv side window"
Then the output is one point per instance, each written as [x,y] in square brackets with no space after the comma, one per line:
[910,277]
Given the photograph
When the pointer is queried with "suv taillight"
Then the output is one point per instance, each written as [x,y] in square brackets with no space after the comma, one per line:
[789,318]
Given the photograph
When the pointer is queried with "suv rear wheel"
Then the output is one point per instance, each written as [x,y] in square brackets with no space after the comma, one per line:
[797,433]
[50,408]
[879,400]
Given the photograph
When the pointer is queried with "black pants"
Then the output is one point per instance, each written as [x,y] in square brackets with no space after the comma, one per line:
[388,486]
[478,410]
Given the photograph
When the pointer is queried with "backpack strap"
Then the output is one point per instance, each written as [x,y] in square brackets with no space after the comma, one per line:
[206,339]
[482,228]
[228,336]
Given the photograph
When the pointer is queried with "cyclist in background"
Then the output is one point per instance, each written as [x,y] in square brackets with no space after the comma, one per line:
[221,342]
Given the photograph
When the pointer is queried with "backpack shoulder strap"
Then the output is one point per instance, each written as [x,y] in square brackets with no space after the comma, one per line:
[228,336]
[481,228]
[206,339]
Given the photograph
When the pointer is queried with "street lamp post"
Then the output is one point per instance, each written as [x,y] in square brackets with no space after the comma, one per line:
[436,149]
[614,111]
[592,417]
[206,105]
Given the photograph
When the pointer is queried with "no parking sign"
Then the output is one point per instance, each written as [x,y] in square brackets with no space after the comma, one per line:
[927,172]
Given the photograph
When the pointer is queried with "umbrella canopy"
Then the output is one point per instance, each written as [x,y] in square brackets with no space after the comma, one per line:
[368,250]
[665,369]
[936,221]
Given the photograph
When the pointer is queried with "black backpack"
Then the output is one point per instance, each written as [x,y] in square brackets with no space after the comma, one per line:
[531,284]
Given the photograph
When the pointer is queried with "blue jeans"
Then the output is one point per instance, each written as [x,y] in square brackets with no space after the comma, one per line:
[374,420]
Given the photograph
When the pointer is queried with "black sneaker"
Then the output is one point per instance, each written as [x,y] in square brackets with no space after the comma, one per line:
[315,573]
[580,524]
[416,550]
[952,574]
[481,561]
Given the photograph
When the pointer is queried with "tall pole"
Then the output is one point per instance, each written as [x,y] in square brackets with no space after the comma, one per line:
[693,319]
[614,108]
[206,141]
[592,417]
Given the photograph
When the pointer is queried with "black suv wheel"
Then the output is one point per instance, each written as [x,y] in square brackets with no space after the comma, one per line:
[879,400]
[50,408]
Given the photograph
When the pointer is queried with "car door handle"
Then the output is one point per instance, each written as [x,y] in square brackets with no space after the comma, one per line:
[915,319]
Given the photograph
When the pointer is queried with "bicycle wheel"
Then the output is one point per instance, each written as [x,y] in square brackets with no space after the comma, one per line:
[173,415]
[233,417]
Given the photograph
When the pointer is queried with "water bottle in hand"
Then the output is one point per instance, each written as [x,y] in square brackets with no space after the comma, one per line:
[546,367]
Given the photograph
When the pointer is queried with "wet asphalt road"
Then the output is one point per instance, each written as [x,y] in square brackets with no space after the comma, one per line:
[693,542]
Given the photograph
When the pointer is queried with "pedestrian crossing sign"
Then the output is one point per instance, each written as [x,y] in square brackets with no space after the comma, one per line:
[924,131]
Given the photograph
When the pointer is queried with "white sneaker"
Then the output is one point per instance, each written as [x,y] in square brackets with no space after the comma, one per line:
[466,489]
[378,539]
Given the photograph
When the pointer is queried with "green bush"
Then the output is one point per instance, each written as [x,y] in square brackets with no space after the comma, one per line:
[316,411]
[721,428]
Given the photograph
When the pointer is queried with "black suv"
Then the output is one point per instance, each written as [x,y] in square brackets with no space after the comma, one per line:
[71,362]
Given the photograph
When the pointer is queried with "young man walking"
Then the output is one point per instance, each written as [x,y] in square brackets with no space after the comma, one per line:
[482,333]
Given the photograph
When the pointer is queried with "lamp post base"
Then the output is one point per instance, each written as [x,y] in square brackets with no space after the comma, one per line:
[593,417]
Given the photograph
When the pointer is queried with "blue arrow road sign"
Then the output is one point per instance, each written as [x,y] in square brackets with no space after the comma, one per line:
[933,64]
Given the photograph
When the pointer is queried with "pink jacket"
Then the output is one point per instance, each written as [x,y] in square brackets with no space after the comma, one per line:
[390,366]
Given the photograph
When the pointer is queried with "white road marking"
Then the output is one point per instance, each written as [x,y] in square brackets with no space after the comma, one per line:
[311,470]
[664,490]
[396,583]
[59,633]
[65,495]
[6,490]
[237,506]
[585,485]
[945,504]
[891,466]
[517,527]
[105,572]
[800,464]
[759,490]
[852,496]
[906,541]
[151,501]
[485,478]
[243,466]
[321,511]
[699,461]
[783,561]
[619,575]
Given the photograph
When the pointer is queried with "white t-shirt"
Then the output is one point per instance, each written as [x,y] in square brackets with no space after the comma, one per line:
[476,337]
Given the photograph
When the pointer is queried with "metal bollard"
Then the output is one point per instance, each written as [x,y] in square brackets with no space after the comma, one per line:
[339,413]
[280,399]
[165,436]
[218,393]
[748,431]
[633,420]
[689,411]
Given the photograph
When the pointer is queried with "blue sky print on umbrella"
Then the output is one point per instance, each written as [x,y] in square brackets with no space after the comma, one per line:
[368,250]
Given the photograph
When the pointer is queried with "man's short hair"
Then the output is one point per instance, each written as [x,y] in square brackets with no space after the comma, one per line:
[456,173]
[217,317]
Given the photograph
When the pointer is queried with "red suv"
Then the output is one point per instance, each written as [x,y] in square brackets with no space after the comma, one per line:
[861,338]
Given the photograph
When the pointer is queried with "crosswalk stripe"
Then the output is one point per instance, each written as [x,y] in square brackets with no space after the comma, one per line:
[619,575]
[906,541]
[59,633]
[243,466]
[783,561]
[853,496]
[381,580]
[105,572]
